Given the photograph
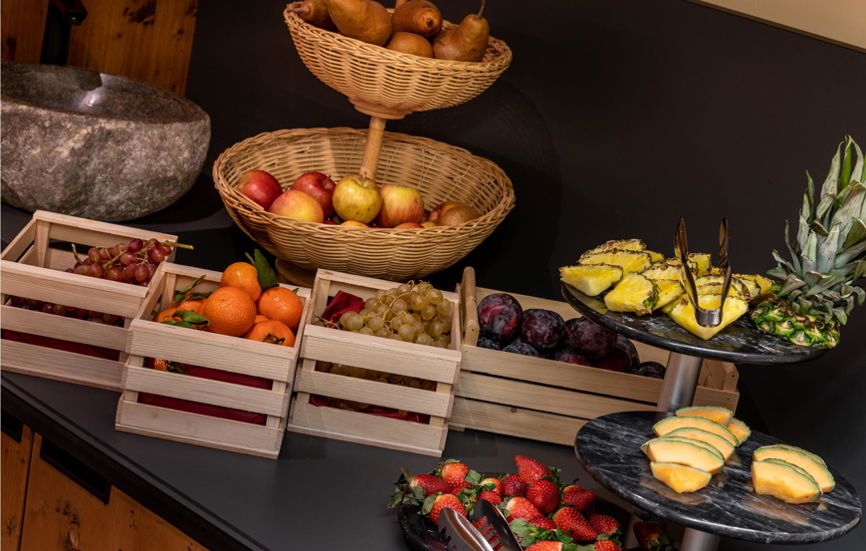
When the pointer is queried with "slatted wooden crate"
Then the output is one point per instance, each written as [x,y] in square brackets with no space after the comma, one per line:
[324,344]
[224,353]
[33,267]
[546,400]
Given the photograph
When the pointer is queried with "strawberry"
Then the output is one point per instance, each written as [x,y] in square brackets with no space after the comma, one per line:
[551,546]
[520,507]
[570,521]
[453,472]
[651,537]
[604,524]
[577,497]
[429,483]
[497,485]
[512,485]
[433,505]
[458,487]
[543,522]
[529,469]
[492,497]
[607,545]
[544,494]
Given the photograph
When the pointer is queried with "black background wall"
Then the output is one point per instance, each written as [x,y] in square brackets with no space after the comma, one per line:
[615,118]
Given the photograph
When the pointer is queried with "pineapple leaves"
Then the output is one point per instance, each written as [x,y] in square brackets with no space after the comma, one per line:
[830,189]
[795,262]
[856,233]
[827,251]
[845,175]
[850,254]
[809,253]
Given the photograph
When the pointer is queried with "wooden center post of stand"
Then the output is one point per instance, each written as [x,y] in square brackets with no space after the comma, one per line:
[372,148]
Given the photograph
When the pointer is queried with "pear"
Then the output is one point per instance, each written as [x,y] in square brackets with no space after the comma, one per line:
[314,12]
[465,42]
[410,43]
[417,16]
[365,20]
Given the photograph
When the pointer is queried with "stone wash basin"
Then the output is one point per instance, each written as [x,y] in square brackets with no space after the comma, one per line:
[94,145]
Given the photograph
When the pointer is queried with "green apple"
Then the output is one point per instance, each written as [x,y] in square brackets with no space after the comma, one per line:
[357,198]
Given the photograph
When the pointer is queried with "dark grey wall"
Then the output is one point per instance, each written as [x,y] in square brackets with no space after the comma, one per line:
[615,118]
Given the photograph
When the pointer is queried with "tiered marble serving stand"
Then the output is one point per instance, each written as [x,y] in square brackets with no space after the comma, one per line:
[609,446]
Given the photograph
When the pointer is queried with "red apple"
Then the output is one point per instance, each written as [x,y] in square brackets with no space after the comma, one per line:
[354,224]
[408,226]
[298,206]
[260,187]
[318,186]
[357,198]
[428,224]
[442,209]
[400,204]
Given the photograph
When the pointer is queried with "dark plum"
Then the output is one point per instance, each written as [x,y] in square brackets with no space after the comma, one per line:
[484,342]
[589,338]
[518,347]
[570,355]
[499,316]
[649,369]
[617,360]
[542,329]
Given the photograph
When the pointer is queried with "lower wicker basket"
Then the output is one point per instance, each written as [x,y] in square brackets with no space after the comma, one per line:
[546,400]
[425,434]
[251,389]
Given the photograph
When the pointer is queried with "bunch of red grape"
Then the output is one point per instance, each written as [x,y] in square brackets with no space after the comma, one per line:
[66,311]
[134,262]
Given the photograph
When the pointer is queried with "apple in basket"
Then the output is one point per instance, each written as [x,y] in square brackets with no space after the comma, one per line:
[298,206]
[261,187]
[357,198]
[457,215]
[318,186]
[400,205]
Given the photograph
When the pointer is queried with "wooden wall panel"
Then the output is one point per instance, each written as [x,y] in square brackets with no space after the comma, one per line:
[15,465]
[147,40]
[22,23]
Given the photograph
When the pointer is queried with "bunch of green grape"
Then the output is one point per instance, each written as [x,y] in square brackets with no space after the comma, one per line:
[411,312]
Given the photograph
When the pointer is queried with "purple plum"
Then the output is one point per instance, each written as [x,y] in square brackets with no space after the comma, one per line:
[570,355]
[542,329]
[589,338]
[649,369]
[518,347]
[499,316]
[484,342]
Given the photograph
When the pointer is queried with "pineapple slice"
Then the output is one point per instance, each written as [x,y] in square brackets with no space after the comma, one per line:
[629,261]
[750,285]
[634,293]
[591,280]
[668,270]
[765,284]
[712,285]
[656,257]
[668,291]
[684,314]
[619,244]
[703,262]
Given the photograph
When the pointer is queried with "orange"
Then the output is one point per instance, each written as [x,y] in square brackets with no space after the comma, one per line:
[260,318]
[242,275]
[272,331]
[193,305]
[281,304]
[230,311]
[165,315]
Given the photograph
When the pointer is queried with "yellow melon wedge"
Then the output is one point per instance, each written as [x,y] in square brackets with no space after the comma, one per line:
[672,423]
[740,430]
[718,414]
[708,447]
[807,461]
[677,450]
[784,481]
[680,478]
[723,446]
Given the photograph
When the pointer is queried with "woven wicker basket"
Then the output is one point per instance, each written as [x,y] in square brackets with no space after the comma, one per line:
[440,171]
[389,84]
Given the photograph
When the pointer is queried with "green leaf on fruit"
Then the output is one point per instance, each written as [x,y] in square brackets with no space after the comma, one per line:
[183,294]
[267,277]
[428,504]
[179,323]
[191,316]
[473,477]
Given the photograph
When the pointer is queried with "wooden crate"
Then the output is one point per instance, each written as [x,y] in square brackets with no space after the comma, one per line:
[149,339]
[323,344]
[547,400]
[33,266]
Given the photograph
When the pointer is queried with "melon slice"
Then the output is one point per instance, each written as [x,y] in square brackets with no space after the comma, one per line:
[784,481]
[807,461]
[708,447]
[718,414]
[680,478]
[672,423]
[725,448]
[678,450]
[740,430]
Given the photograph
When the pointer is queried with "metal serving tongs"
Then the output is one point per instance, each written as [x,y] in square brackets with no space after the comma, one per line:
[459,533]
[706,317]
[494,527]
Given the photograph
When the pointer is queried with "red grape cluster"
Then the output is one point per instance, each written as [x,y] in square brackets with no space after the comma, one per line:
[134,262]
[66,311]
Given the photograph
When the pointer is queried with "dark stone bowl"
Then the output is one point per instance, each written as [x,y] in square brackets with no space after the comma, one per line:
[94,145]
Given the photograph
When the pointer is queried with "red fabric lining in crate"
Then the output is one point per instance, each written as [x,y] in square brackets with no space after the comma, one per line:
[58,344]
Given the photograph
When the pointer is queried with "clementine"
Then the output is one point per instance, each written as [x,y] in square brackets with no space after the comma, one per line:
[272,331]
[242,275]
[165,315]
[281,304]
[259,319]
[230,311]
[192,305]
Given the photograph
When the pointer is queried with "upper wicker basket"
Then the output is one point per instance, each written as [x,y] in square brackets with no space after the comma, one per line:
[383,83]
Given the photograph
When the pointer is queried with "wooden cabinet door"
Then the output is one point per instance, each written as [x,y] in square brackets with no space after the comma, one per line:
[16,442]
[86,513]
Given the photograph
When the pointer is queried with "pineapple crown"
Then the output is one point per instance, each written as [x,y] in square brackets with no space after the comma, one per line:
[829,254]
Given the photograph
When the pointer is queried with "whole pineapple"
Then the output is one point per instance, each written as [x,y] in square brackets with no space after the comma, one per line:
[818,286]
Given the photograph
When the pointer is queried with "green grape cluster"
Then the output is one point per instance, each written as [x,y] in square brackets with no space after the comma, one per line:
[411,312]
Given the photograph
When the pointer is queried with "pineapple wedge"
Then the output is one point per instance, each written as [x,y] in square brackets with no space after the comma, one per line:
[668,291]
[629,261]
[669,269]
[703,262]
[656,257]
[765,284]
[749,285]
[620,244]
[591,280]
[712,285]
[635,293]
[684,314]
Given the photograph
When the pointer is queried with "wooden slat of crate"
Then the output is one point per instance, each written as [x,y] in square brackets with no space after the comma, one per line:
[524,423]
[363,428]
[60,365]
[59,327]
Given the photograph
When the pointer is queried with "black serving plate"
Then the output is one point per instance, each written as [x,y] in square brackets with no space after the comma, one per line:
[609,448]
[740,342]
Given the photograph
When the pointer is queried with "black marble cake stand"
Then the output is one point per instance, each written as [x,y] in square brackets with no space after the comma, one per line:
[609,448]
